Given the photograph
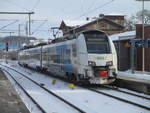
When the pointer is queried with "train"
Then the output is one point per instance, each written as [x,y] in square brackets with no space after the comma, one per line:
[85,57]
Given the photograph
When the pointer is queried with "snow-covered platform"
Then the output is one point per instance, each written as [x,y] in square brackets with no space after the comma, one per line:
[139,81]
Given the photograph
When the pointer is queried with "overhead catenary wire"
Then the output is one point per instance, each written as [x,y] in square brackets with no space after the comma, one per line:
[89,7]
[36,4]
[92,4]
[9,24]
[94,9]
[82,5]
[7,19]
[15,4]
[20,6]
[44,21]
[13,30]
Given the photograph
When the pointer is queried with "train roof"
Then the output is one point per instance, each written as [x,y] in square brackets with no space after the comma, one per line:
[73,36]
[63,38]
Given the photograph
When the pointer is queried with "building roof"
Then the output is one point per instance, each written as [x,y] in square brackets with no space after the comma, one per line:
[123,36]
[75,22]
[72,23]
[104,19]
[81,23]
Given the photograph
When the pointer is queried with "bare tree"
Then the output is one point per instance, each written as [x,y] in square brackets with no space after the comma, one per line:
[146,16]
[130,23]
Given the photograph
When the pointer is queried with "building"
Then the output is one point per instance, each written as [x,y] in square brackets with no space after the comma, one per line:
[14,42]
[111,24]
[123,48]
[147,49]
[121,42]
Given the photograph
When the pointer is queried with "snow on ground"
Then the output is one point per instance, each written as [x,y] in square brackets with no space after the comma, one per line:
[134,92]
[137,74]
[42,97]
[28,102]
[134,99]
[88,101]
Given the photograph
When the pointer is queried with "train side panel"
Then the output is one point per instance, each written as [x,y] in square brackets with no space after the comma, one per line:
[60,58]
[30,57]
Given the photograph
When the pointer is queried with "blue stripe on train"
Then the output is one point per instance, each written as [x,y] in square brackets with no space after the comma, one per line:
[66,64]
[67,68]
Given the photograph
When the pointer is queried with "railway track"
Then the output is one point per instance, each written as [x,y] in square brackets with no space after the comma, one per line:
[41,86]
[121,99]
[33,100]
[129,93]
[115,97]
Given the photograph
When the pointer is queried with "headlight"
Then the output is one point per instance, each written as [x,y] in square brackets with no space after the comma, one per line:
[110,63]
[91,63]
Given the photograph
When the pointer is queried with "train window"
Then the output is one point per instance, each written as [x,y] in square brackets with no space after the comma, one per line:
[97,43]
[74,50]
[55,58]
[65,58]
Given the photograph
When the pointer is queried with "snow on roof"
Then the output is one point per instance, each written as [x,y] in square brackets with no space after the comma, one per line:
[75,22]
[127,35]
[115,14]
[82,22]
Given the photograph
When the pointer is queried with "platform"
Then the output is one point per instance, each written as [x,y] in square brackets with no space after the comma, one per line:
[10,101]
[138,82]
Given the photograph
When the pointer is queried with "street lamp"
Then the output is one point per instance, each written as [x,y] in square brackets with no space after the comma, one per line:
[143,50]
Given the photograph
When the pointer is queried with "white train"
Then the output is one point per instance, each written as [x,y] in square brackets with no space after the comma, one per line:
[89,56]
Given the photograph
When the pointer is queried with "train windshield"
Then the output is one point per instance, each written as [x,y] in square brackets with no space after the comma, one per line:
[97,43]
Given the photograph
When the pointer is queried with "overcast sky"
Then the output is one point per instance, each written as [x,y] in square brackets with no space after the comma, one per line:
[56,10]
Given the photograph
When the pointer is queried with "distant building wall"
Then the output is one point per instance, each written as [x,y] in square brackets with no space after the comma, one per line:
[139,50]
[123,54]
[102,25]
[116,18]
[14,42]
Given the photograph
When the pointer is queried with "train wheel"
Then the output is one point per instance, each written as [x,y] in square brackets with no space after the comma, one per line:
[69,77]
[43,70]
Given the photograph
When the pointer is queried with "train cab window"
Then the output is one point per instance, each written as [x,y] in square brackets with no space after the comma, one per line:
[97,43]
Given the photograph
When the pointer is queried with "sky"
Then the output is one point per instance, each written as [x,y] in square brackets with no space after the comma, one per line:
[50,13]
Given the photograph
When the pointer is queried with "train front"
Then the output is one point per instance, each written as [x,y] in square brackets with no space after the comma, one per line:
[102,58]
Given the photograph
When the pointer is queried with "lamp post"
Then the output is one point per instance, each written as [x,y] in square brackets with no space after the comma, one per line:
[143,50]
